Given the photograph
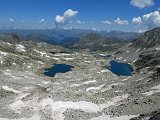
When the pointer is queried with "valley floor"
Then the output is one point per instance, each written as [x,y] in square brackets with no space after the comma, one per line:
[88,92]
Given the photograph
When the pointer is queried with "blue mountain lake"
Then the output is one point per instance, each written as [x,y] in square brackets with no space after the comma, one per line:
[57,68]
[123,69]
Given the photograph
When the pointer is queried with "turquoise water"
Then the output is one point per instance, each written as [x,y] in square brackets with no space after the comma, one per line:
[57,68]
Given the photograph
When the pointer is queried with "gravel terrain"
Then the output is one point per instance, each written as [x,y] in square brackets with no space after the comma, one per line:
[88,92]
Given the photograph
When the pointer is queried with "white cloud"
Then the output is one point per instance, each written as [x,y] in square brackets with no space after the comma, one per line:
[11,20]
[142,3]
[152,19]
[11,23]
[70,13]
[149,21]
[94,29]
[66,18]
[80,22]
[142,30]
[137,20]
[42,21]
[59,19]
[107,22]
[121,22]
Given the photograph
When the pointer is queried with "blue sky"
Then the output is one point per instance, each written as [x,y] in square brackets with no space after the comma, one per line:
[91,14]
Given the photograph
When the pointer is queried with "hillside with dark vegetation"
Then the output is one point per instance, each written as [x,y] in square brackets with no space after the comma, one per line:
[96,42]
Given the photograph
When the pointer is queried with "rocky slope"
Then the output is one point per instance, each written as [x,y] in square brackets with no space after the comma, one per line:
[95,42]
[88,92]
[149,39]
[26,55]
[144,55]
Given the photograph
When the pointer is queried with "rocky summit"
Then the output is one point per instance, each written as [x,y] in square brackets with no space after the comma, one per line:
[89,91]
[148,39]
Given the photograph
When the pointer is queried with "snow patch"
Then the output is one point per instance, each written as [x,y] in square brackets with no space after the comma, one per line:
[54,58]
[3,53]
[84,83]
[62,54]
[87,61]
[13,63]
[11,89]
[75,85]
[68,58]
[7,73]
[65,54]
[88,82]
[42,53]
[134,60]
[154,89]
[95,88]
[47,56]
[45,82]
[140,79]
[138,50]
[113,101]
[1,61]
[126,78]
[59,107]
[56,83]
[20,47]
[28,66]
[158,48]
[120,58]
[104,71]
[17,106]
[15,77]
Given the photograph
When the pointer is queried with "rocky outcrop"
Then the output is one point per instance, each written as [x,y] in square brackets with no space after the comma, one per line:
[148,116]
[148,59]
[14,39]
[148,43]
[92,41]
[95,42]
[149,39]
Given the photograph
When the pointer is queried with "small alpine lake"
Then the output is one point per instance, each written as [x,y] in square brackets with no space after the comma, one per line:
[57,68]
[120,69]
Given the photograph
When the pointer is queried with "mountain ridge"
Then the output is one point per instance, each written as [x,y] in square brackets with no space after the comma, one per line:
[149,39]
[56,36]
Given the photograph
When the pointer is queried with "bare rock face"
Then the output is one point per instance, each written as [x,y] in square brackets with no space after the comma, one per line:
[148,44]
[158,70]
[97,42]
[148,116]
[14,39]
[92,41]
[149,39]
[148,59]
